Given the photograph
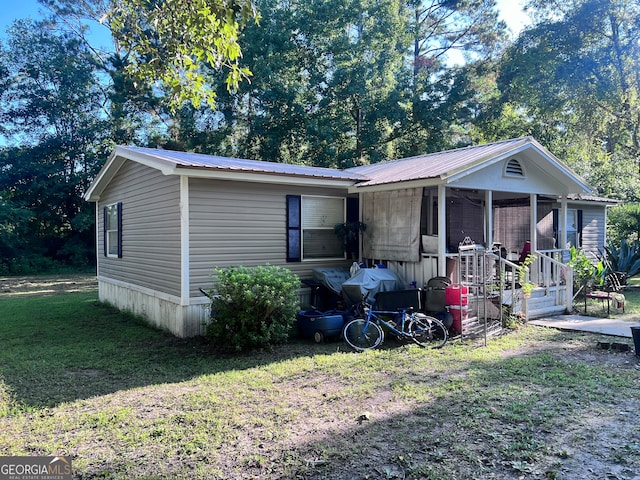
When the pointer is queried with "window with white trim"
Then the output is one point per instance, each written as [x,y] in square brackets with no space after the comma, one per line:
[310,225]
[113,230]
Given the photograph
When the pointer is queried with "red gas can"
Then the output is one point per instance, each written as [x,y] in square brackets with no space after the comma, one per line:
[456,294]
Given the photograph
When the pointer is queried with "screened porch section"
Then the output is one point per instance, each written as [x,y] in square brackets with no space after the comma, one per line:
[405,232]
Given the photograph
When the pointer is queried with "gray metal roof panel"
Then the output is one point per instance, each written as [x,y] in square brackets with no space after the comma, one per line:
[434,165]
[197,160]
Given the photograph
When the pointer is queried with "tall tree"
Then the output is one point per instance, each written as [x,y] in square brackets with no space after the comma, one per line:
[57,134]
[178,42]
[336,83]
[576,77]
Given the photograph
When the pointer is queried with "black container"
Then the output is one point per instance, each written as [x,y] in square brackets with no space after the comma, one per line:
[635,332]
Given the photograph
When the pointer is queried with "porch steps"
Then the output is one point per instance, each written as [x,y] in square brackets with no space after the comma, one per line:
[552,311]
[474,327]
[539,305]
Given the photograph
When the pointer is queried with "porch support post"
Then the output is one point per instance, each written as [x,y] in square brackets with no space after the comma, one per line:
[533,202]
[488,218]
[442,230]
[562,223]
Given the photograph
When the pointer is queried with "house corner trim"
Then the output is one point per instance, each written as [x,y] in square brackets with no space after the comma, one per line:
[184,241]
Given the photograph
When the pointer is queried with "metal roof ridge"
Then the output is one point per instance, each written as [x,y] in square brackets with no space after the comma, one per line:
[528,138]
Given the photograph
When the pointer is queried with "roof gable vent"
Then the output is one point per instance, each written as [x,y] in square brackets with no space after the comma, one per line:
[514,168]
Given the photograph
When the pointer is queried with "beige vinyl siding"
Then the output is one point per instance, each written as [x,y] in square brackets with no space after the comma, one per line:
[150,229]
[593,228]
[241,223]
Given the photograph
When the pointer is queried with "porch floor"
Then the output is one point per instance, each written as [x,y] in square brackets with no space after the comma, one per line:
[619,326]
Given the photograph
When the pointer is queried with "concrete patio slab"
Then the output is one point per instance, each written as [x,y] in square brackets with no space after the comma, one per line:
[619,327]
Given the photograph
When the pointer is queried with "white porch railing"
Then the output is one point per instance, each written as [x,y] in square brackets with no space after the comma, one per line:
[552,278]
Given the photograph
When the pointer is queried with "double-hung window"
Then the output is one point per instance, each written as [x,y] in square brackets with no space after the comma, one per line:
[113,230]
[310,225]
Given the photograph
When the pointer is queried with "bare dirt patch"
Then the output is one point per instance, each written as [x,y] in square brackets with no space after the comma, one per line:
[47,284]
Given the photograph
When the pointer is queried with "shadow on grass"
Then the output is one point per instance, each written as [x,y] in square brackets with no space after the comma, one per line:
[67,347]
[503,417]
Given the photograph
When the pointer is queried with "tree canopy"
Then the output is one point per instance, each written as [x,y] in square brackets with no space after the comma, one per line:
[573,81]
[319,82]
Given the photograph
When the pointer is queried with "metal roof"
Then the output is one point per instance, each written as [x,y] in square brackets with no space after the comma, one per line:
[436,165]
[441,166]
[211,162]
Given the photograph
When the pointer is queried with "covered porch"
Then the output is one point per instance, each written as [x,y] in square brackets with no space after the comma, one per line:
[506,200]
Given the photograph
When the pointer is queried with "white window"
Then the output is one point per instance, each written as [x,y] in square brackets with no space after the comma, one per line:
[572,228]
[112,230]
[319,217]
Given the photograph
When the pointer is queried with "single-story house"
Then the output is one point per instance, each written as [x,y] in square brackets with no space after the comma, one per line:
[166,219]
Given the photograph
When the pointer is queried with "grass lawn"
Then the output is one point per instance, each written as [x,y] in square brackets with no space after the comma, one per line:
[128,402]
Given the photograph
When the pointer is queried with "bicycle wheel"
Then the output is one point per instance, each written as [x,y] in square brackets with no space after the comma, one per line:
[428,331]
[362,335]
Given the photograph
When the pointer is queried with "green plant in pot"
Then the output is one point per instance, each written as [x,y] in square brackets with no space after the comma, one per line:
[349,233]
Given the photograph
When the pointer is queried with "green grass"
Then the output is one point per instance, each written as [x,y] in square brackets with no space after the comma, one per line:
[127,401]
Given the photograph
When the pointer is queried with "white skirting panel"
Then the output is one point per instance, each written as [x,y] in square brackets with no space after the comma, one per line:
[160,310]
[419,272]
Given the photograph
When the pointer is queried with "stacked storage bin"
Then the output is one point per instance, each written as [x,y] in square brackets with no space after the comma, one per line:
[457,302]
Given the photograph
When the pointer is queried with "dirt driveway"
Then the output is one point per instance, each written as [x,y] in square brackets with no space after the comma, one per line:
[46,284]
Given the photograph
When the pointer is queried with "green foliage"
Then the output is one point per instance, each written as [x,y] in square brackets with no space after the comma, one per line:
[53,122]
[253,307]
[623,222]
[523,275]
[626,258]
[179,42]
[573,82]
[584,271]
[341,83]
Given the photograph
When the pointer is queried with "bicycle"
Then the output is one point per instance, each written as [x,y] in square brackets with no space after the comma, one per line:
[365,332]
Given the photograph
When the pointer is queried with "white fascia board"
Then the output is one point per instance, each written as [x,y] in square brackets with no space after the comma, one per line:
[386,187]
[167,168]
[272,178]
[570,177]
[456,175]
[108,171]
[113,164]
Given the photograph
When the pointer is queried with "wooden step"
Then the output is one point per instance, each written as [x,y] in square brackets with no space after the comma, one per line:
[546,312]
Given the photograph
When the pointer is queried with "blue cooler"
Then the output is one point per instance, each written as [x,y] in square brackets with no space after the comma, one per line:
[320,325]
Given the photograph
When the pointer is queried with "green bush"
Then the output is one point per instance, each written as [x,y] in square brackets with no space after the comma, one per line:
[253,307]
[584,271]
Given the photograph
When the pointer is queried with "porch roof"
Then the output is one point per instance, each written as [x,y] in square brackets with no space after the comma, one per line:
[451,165]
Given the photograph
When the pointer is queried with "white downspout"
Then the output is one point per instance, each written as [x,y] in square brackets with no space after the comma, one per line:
[488,215]
[442,230]
[360,239]
[98,249]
